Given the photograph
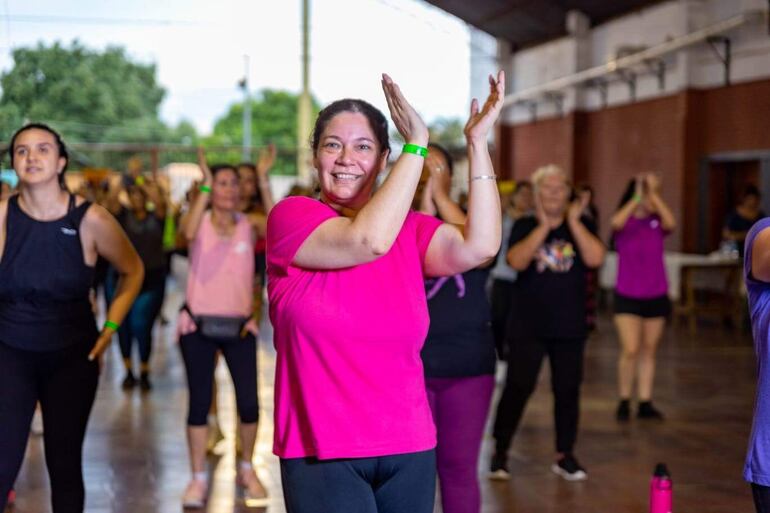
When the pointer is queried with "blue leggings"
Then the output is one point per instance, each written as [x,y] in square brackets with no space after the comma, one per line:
[140,319]
[385,484]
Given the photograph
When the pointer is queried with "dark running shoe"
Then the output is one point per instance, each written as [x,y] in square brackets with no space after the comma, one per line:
[498,468]
[648,411]
[144,382]
[129,381]
[623,413]
[569,469]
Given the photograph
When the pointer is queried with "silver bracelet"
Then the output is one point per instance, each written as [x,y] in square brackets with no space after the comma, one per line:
[484,177]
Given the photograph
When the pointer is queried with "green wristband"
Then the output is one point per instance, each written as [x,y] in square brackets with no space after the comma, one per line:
[111,325]
[205,188]
[637,198]
[415,149]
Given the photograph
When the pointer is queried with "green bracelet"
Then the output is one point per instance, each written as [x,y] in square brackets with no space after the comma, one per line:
[415,149]
[112,325]
[637,198]
[205,188]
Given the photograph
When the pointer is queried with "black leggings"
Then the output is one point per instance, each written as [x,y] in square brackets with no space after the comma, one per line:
[64,382]
[385,484]
[524,361]
[761,497]
[199,354]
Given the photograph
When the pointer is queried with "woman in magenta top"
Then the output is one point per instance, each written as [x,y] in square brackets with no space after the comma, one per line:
[640,224]
[353,427]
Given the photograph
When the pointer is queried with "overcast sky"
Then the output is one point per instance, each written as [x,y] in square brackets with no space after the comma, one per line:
[199,47]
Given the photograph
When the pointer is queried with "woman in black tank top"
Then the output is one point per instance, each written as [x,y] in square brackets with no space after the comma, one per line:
[49,342]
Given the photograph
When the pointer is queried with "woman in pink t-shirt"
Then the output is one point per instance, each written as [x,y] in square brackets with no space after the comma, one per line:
[353,427]
[641,292]
[217,318]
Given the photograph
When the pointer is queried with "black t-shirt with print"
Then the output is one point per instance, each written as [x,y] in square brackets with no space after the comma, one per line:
[550,295]
[460,341]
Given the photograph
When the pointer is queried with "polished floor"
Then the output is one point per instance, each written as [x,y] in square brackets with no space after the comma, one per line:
[136,455]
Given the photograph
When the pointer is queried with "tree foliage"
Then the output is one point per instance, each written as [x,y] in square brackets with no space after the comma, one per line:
[273,120]
[89,95]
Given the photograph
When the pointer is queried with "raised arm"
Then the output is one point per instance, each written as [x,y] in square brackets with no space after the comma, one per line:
[347,241]
[458,248]
[156,195]
[620,217]
[191,221]
[265,161]
[441,185]
[667,219]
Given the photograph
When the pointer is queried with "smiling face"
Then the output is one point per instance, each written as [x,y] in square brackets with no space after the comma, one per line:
[36,158]
[348,160]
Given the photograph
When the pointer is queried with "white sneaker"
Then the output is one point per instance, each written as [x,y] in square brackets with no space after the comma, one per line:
[195,494]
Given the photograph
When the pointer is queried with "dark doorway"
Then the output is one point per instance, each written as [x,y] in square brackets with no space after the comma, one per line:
[723,180]
[728,183]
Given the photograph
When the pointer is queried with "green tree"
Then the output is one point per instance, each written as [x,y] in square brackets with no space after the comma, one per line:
[88,95]
[273,120]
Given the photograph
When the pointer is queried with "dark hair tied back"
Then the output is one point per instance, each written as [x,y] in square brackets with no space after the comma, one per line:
[59,144]
[377,120]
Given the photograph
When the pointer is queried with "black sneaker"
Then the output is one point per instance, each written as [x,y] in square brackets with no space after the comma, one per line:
[648,411]
[144,381]
[129,381]
[623,413]
[498,468]
[569,469]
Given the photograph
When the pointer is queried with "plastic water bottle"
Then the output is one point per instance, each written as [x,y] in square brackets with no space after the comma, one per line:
[661,490]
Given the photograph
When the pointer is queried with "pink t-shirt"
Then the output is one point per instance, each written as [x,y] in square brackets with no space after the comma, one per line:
[221,276]
[349,380]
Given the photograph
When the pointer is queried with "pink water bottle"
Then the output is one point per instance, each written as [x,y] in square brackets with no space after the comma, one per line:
[661,490]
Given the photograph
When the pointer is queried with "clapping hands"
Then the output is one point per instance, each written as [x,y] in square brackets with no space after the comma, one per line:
[408,123]
[481,120]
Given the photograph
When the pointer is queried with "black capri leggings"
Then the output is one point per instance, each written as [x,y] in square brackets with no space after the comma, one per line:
[199,354]
[64,382]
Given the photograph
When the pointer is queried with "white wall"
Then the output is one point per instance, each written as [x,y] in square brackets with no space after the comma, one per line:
[696,67]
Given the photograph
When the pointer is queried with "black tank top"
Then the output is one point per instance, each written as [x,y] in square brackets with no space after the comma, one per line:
[44,282]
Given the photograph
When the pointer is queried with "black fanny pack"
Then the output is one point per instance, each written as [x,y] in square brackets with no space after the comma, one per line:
[217,326]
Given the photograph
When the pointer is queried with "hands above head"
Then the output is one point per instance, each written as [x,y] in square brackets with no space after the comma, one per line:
[208,178]
[481,120]
[265,160]
[638,187]
[653,183]
[408,123]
